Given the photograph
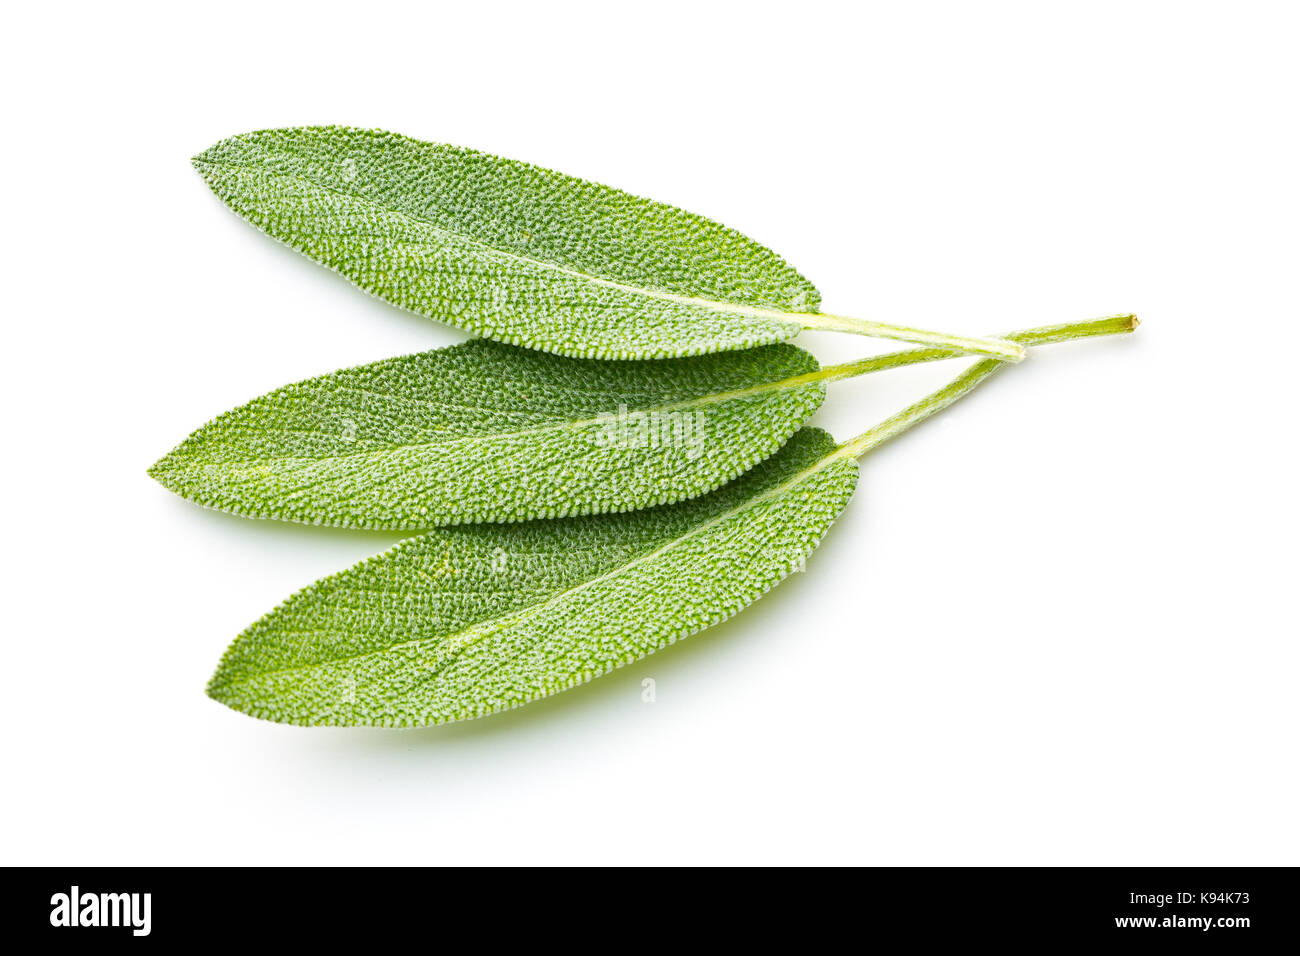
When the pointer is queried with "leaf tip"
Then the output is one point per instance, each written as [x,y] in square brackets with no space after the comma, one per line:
[219,688]
[206,162]
[215,685]
[168,471]
[158,471]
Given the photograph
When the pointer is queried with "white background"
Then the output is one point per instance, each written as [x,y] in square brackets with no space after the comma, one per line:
[1056,625]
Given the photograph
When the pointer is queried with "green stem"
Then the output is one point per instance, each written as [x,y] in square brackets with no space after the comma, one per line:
[966,382]
[1047,334]
[1000,349]
[1043,335]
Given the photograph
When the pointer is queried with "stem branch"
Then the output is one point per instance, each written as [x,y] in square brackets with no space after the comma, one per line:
[964,383]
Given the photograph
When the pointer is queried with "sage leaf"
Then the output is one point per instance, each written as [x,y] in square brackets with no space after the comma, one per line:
[468,621]
[473,620]
[520,254]
[490,432]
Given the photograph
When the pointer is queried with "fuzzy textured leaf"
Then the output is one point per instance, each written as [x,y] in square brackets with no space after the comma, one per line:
[473,620]
[508,250]
[490,432]
[521,254]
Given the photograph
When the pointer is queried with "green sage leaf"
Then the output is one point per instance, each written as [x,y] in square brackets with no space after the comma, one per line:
[521,254]
[489,432]
[469,621]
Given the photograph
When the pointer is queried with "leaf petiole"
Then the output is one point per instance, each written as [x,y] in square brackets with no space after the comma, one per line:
[1001,349]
